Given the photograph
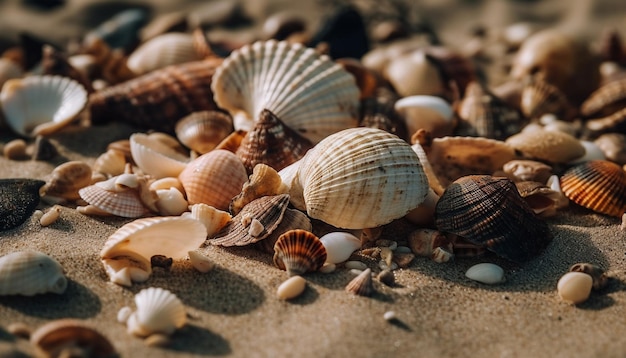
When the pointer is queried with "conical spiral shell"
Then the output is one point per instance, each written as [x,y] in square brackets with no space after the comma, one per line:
[308,92]
[30,273]
[158,311]
[299,252]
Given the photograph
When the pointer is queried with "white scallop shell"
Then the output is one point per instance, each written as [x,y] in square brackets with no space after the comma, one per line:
[126,253]
[310,93]
[155,158]
[158,311]
[161,51]
[486,272]
[30,273]
[339,246]
[58,101]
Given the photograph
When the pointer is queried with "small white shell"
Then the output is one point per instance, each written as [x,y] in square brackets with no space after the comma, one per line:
[200,262]
[291,288]
[161,51]
[156,158]
[158,311]
[171,202]
[575,287]
[50,216]
[339,246]
[487,273]
[30,273]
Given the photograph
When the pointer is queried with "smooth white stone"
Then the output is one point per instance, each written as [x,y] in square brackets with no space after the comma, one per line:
[487,273]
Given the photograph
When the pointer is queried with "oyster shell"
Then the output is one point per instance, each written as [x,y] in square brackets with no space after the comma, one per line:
[30,273]
[18,200]
[299,252]
[69,337]
[162,51]
[158,311]
[155,158]
[202,131]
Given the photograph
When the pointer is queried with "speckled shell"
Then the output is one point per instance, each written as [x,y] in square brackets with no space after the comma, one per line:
[203,131]
[157,100]
[550,146]
[59,100]
[307,91]
[155,158]
[489,211]
[358,178]
[29,273]
[158,311]
[299,252]
[124,203]
[162,51]
[18,200]
[598,185]
[540,97]
[213,178]
[63,335]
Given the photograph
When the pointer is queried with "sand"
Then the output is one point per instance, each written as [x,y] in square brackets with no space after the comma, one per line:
[233,310]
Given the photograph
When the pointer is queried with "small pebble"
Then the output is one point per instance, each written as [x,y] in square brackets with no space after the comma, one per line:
[355,265]
[575,287]
[50,216]
[389,316]
[123,314]
[15,149]
[487,273]
[403,250]
[200,262]
[291,288]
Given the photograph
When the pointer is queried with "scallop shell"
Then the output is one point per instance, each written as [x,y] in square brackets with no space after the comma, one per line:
[358,178]
[162,51]
[550,146]
[59,100]
[155,158]
[339,246]
[292,219]
[125,203]
[18,200]
[67,179]
[362,284]
[29,273]
[264,180]
[308,92]
[126,253]
[203,131]
[488,211]
[299,252]
[606,99]
[540,97]
[157,100]
[158,311]
[64,337]
[213,178]
[598,185]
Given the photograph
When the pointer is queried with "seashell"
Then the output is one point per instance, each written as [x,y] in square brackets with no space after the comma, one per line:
[540,97]
[171,202]
[112,162]
[598,185]
[599,277]
[550,146]
[542,199]
[200,262]
[271,142]
[527,170]
[487,273]
[203,131]
[380,113]
[263,181]
[254,222]
[308,92]
[489,211]
[339,246]
[425,242]
[232,141]
[605,100]
[166,183]
[162,51]
[213,219]
[70,337]
[362,284]
[126,253]
[59,100]
[120,202]
[433,180]
[155,158]
[18,200]
[67,179]
[55,63]
[9,70]
[30,273]
[213,178]
[414,74]
[430,113]
[291,288]
[292,219]
[299,252]
[15,149]
[357,178]
[111,63]
[613,145]
[574,287]
[611,47]
[615,122]
[51,216]
[157,100]
[158,311]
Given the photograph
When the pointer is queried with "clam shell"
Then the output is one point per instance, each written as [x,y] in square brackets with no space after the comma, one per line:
[299,252]
[362,284]
[67,179]
[158,311]
[125,203]
[162,51]
[155,158]
[339,246]
[59,100]
[488,273]
[29,273]
[264,180]
[308,92]
[550,146]
[63,336]
[213,178]
[203,131]
[18,200]
[489,211]
[598,185]
[292,219]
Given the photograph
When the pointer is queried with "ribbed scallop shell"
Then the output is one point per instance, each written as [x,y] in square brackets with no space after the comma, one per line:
[30,273]
[58,101]
[203,131]
[299,252]
[307,91]
[605,99]
[162,51]
[124,203]
[362,284]
[155,158]
[598,185]
[213,178]
[488,211]
[157,100]
[18,200]
[358,178]
[158,311]
[540,97]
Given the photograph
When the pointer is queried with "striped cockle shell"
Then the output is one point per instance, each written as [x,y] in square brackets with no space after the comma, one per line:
[307,91]
[162,51]
[158,311]
[115,200]
[155,158]
[29,273]
[202,131]
[299,252]
[126,253]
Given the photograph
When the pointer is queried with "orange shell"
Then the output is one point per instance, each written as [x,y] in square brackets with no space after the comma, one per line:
[299,251]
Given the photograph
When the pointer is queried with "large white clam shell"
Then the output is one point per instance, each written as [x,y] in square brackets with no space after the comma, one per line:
[161,51]
[158,311]
[156,158]
[30,273]
[308,92]
[126,253]
[41,105]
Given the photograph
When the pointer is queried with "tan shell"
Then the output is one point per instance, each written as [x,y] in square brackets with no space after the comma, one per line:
[67,179]
[162,51]
[424,242]
[203,131]
[299,252]
[575,287]
[264,180]
[66,336]
[615,122]
[155,158]
[550,146]
[527,170]
[414,74]
[30,273]
[158,311]
[111,63]
[362,284]
[607,99]
[111,162]
[232,142]
[213,219]
[613,145]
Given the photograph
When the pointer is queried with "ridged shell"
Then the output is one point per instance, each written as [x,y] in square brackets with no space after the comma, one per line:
[489,211]
[308,92]
[18,200]
[292,219]
[203,131]
[213,178]
[124,203]
[64,336]
[598,185]
[264,180]
[67,178]
[539,98]
[272,143]
[606,99]
[613,145]
[362,284]
[155,158]
[29,273]
[157,100]
[162,51]
[59,100]
[111,162]
[615,122]
[55,63]
[158,311]
[299,252]
[358,178]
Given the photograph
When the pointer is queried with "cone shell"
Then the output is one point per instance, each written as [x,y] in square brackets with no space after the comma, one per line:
[62,335]
[124,203]
[308,92]
[162,51]
[59,100]
[488,211]
[157,100]
[598,185]
[362,284]
[213,178]
[158,311]
[203,131]
[18,200]
[29,273]
[155,158]
[299,252]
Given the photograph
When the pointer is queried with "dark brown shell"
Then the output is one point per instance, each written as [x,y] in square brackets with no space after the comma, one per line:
[598,185]
[540,97]
[18,200]
[157,100]
[299,252]
[612,47]
[489,211]
[380,113]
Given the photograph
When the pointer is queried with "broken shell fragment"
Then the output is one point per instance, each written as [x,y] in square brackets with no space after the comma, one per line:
[291,288]
[487,273]
[68,337]
[575,287]
[158,311]
[600,279]
[171,202]
[299,252]
[339,246]
[362,284]
[18,200]
[30,273]
[428,243]
[155,158]
[200,262]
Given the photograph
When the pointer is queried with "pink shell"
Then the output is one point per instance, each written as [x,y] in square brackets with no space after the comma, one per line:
[122,203]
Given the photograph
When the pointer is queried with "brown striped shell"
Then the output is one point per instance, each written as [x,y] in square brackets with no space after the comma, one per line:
[299,252]
[489,211]
[598,185]
[70,337]
[540,97]
[202,131]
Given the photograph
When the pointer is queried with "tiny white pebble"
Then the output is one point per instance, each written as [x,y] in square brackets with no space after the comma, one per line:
[291,288]
[389,315]
[256,228]
[356,272]
[356,265]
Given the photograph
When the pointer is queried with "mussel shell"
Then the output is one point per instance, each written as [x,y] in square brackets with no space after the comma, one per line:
[18,200]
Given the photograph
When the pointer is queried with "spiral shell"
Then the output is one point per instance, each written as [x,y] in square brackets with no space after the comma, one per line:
[299,252]
[158,311]
[29,273]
